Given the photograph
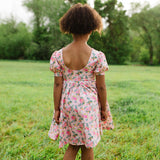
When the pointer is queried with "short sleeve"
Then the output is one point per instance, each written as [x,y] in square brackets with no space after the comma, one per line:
[55,66]
[102,64]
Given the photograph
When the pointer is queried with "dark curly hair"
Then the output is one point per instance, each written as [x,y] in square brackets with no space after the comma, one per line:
[81,19]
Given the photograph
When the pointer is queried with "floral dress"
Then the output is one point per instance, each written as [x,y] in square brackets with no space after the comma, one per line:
[80,121]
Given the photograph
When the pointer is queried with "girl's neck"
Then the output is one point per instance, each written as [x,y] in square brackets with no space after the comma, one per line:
[80,39]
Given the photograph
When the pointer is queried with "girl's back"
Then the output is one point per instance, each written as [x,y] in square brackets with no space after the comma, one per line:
[76,56]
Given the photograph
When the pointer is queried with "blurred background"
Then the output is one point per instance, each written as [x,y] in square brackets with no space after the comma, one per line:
[29,34]
[29,29]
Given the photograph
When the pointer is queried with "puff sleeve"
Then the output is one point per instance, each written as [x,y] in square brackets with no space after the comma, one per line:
[101,65]
[55,66]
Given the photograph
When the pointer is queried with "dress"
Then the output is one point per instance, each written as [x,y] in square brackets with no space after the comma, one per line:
[80,122]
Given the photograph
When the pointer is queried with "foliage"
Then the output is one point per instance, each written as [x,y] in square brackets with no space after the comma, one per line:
[146,24]
[116,39]
[77,1]
[46,32]
[123,39]
[26,106]
[14,39]
[143,55]
[156,41]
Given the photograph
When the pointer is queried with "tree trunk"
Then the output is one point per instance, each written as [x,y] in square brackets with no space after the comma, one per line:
[148,42]
[151,55]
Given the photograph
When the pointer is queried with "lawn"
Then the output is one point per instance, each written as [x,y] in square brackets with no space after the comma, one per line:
[26,109]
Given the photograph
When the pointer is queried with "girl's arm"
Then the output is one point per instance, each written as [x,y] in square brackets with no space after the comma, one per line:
[102,92]
[58,85]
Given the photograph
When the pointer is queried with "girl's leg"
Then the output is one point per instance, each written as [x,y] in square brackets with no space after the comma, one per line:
[87,153]
[71,152]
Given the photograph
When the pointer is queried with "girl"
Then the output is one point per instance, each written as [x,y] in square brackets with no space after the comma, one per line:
[81,109]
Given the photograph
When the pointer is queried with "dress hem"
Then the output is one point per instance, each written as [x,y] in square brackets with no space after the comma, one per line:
[81,144]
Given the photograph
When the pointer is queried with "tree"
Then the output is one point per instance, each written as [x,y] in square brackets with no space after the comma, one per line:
[46,32]
[142,23]
[156,34]
[77,1]
[116,40]
[14,39]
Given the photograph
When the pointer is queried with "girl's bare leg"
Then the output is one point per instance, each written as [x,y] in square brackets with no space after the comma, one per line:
[87,153]
[71,152]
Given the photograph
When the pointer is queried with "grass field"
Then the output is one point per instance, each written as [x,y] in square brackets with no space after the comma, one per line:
[26,109]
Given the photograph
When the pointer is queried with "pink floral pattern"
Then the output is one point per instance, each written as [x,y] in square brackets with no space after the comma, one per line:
[80,121]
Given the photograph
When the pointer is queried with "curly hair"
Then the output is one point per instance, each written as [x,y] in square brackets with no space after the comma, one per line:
[81,19]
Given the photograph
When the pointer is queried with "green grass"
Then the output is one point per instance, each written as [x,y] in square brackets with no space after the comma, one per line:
[26,109]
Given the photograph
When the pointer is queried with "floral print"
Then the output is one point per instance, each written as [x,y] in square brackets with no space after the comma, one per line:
[80,121]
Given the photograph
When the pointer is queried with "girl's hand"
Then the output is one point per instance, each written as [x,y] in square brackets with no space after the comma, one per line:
[56,116]
[103,115]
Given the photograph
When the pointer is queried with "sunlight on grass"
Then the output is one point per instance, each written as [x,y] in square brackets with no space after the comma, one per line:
[26,104]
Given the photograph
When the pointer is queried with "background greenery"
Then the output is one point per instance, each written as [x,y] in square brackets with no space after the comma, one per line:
[26,105]
[26,86]
[125,39]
